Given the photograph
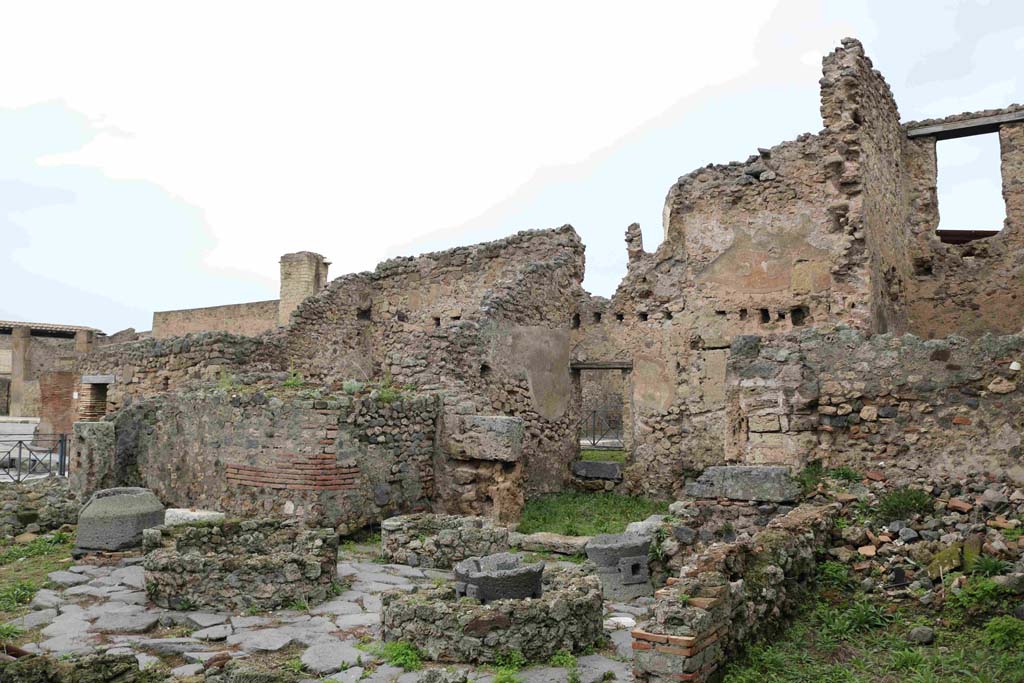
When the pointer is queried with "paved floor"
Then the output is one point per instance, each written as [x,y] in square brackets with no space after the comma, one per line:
[100,608]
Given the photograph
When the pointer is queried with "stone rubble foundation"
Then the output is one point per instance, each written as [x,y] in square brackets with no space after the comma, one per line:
[265,564]
[568,616]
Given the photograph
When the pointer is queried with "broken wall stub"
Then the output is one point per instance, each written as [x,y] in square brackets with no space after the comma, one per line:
[729,596]
[883,402]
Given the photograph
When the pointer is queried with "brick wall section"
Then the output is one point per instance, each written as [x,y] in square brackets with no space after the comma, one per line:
[57,413]
[886,402]
[318,471]
[247,319]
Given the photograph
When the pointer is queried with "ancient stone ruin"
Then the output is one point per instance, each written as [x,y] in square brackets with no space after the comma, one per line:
[802,344]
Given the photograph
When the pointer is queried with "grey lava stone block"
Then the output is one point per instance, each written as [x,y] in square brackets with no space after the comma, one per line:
[746,482]
[114,519]
[501,576]
[587,469]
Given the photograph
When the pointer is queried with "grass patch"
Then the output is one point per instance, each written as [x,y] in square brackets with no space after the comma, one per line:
[396,653]
[603,455]
[853,641]
[42,546]
[24,566]
[574,513]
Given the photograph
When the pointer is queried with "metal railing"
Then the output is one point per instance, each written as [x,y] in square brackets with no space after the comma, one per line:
[31,457]
[602,428]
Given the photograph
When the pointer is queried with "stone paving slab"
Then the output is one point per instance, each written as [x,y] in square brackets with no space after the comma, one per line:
[109,600]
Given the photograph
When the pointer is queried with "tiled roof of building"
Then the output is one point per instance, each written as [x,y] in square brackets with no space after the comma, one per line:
[7,325]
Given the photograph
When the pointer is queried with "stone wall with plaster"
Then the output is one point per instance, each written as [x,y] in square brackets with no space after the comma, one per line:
[945,405]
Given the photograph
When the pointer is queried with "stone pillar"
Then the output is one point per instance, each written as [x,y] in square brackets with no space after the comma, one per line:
[21,338]
[83,341]
[1011,152]
[303,274]
[92,458]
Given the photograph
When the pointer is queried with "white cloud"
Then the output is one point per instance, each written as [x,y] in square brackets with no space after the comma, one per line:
[221,135]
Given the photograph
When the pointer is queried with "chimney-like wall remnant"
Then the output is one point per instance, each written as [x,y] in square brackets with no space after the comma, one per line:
[303,274]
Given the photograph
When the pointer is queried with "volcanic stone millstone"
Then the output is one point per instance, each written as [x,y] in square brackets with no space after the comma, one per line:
[114,519]
[501,576]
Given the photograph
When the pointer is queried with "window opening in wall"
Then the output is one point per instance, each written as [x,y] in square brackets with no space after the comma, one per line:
[456,318]
[437,322]
[720,314]
[668,315]
[620,317]
[781,315]
[642,315]
[743,314]
[799,315]
[969,187]
[363,314]
[485,370]
[766,316]
[597,316]
[575,321]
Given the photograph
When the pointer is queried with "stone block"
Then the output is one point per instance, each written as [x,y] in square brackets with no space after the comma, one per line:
[114,519]
[763,423]
[501,576]
[587,469]
[622,565]
[487,437]
[745,482]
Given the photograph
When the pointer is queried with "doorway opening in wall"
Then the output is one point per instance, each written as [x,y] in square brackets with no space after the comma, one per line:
[969,188]
[601,434]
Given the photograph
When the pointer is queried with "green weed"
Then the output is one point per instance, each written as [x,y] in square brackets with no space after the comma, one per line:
[986,565]
[903,502]
[1005,633]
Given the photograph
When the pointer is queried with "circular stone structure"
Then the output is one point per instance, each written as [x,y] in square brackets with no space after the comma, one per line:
[501,576]
[114,519]
[622,564]
[448,627]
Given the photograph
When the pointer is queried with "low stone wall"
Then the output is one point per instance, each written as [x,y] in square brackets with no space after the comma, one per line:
[263,563]
[568,616]
[731,594]
[949,406]
[36,506]
[694,524]
[440,541]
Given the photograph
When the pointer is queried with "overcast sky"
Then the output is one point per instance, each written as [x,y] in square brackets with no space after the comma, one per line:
[157,156]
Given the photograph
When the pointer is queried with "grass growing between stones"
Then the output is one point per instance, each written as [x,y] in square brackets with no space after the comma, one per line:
[573,513]
[603,455]
[24,566]
[850,640]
